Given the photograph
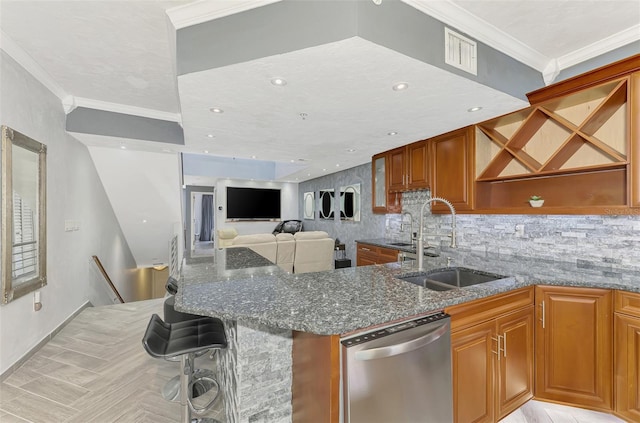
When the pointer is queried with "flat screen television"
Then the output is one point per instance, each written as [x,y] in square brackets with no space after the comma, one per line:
[253,203]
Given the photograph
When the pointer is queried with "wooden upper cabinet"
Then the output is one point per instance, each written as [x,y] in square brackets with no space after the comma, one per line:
[577,146]
[397,165]
[382,200]
[574,346]
[408,167]
[452,170]
[417,165]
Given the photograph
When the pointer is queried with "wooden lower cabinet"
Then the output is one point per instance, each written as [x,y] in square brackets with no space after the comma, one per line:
[472,360]
[492,360]
[574,346]
[367,255]
[627,355]
[315,391]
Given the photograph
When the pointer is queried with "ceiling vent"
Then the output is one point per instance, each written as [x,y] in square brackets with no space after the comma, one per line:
[460,52]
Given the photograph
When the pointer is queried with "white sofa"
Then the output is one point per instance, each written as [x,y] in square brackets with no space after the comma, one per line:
[314,252]
[301,252]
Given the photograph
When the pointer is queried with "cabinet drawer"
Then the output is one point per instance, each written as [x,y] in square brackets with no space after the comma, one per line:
[474,312]
[627,303]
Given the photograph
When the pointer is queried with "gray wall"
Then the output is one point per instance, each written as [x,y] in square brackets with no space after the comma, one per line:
[74,192]
[370,225]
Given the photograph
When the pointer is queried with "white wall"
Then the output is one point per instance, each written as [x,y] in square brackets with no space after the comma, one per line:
[289,204]
[144,190]
[74,192]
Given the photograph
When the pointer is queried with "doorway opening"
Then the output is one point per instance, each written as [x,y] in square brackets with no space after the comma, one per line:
[202,223]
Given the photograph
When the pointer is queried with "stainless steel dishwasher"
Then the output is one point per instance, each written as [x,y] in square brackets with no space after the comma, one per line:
[400,374]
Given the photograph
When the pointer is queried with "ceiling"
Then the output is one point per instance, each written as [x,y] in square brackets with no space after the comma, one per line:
[338,106]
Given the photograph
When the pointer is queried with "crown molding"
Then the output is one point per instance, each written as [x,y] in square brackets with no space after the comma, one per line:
[206,10]
[605,45]
[126,109]
[18,54]
[454,15]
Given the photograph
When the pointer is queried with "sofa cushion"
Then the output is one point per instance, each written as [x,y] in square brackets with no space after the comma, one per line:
[284,237]
[311,235]
[254,239]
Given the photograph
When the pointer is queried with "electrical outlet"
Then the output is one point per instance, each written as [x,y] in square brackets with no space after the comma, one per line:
[519,231]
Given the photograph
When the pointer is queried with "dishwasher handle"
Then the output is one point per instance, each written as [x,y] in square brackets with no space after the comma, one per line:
[405,347]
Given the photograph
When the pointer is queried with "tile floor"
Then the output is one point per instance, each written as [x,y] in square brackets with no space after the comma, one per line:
[96,370]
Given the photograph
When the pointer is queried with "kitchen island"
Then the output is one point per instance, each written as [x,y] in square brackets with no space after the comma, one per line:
[265,308]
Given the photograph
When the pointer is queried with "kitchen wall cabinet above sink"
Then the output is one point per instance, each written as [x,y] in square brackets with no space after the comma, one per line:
[408,167]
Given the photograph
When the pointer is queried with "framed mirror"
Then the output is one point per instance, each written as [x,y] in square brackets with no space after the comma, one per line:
[308,208]
[350,203]
[24,228]
[326,204]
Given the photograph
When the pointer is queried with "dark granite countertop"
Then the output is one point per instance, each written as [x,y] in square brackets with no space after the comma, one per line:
[238,284]
[399,244]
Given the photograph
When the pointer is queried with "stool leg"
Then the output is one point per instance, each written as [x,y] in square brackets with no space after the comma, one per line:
[186,364]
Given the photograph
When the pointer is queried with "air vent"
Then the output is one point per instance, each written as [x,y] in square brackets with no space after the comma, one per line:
[460,52]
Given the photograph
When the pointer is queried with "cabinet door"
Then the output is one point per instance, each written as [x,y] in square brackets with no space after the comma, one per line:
[417,166]
[574,346]
[634,148]
[379,183]
[451,159]
[472,355]
[397,169]
[627,367]
[515,373]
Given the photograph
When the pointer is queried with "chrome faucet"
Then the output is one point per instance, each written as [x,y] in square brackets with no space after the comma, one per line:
[420,247]
[402,223]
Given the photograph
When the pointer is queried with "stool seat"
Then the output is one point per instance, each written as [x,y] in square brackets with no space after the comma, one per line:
[185,340]
[167,340]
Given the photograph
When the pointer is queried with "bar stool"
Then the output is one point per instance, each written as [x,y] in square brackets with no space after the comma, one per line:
[185,340]
[171,389]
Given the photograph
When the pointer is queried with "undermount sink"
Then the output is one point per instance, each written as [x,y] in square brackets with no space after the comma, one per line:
[401,244]
[450,278]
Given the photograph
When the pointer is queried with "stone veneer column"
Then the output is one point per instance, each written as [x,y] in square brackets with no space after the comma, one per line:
[255,374]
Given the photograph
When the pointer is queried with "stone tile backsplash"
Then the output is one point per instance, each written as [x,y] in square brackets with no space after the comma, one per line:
[614,240]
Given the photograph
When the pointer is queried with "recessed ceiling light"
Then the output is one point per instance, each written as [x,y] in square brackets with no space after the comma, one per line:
[292,161]
[206,151]
[351,150]
[337,165]
[400,86]
[392,133]
[166,150]
[324,170]
[278,82]
[144,220]
[474,109]
[308,174]
[209,135]
[216,110]
[253,157]
[122,146]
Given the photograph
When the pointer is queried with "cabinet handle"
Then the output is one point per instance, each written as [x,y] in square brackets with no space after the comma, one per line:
[498,345]
[504,345]
[543,313]
[364,249]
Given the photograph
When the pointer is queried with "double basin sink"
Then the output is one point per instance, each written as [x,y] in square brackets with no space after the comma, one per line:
[450,278]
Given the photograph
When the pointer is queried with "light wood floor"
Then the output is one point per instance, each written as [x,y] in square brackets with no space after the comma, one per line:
[96,370]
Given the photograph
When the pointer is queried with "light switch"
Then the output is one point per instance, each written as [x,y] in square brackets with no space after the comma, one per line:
[68,225]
